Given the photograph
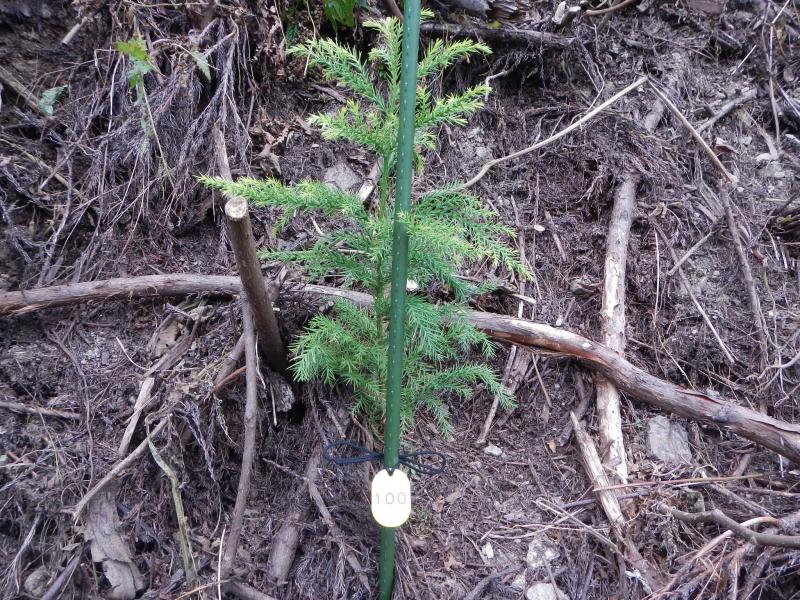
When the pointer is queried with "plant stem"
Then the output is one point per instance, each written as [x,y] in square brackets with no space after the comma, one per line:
[397,309]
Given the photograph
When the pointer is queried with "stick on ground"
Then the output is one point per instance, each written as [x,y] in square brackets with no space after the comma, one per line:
[248,446]
[779,436]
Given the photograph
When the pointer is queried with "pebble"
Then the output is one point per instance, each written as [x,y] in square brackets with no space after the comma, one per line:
[492,450]
[545,591]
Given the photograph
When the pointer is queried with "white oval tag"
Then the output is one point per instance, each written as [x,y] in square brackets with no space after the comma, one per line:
[391,498]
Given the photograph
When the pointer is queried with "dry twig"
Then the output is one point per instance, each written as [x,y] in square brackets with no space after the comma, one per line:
[780,436]
[554,138]
[248,446]
[723,520]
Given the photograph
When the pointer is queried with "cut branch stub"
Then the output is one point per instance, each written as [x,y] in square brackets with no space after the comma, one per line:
[244,248]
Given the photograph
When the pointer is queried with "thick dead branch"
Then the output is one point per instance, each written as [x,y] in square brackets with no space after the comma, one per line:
[780,436]
[147,286]
[244,249]
[723,520]
[612,313]
[248,446]
[610,503]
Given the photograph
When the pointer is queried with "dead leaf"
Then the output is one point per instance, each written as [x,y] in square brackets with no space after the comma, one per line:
[109,549]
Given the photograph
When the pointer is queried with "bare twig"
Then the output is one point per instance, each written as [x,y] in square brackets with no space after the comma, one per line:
[8,79]
[477,591]
[688,289]
[248,446]
[189,567]
[554,138]
[141,402]
[118,468]
[674,109]
[747,276]
[723,520]
[337,534]
[584,401]
[39,411]
[712,230]
[610,9]
[391,6]
[727,108]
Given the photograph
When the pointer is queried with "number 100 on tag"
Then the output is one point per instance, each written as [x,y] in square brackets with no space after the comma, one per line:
[391,498]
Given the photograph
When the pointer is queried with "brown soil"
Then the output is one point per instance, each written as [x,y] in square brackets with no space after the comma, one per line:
[111,210]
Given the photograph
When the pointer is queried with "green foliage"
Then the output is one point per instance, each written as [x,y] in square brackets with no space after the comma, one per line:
[141,62]
[201,62]
[370,119]
[50,98]
[448,230]
[340,12]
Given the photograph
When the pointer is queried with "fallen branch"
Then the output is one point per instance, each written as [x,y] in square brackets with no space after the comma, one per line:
[147,286]
[249,444]
[554,138]
[337,535]
[779,436]
[610,9]
[184,544]
[18,407]
[508,36]
[611,507]
[723,520]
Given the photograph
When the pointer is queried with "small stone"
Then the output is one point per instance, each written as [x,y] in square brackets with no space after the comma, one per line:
[342,177]
[488,551]
[668,441]
[36,583]
[492,450]
[518,582]
[545,591]
[541,552]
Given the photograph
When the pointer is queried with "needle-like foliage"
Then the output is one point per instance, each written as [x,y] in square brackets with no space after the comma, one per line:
[448,230]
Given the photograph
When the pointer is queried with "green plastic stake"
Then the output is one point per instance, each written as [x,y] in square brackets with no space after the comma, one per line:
[397,304]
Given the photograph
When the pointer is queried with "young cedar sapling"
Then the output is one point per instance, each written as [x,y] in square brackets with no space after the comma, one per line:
[448,229]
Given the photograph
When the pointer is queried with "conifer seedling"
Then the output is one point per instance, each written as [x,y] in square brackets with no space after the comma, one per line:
[448,229]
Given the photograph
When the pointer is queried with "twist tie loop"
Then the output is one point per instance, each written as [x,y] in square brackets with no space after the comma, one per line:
[352,453]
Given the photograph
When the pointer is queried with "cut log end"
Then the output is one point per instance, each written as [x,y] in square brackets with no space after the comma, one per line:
[236,209]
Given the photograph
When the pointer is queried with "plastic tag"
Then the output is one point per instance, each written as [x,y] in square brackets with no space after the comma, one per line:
[391,498]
